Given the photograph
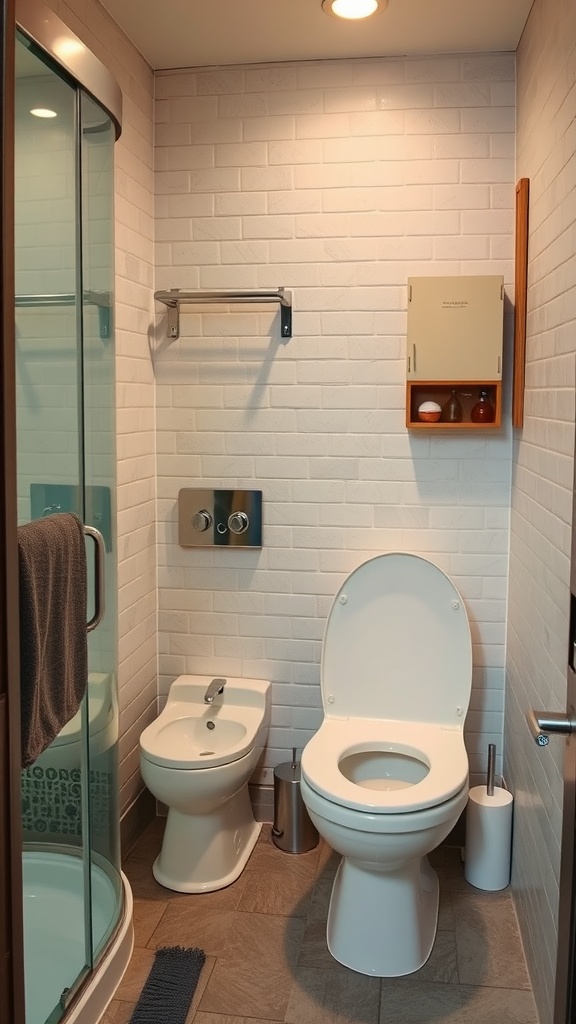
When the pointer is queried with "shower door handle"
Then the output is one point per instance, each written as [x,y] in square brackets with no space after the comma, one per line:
[542,723]
[99,589]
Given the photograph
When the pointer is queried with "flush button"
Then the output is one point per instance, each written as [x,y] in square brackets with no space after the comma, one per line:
[202,521]
[238,522]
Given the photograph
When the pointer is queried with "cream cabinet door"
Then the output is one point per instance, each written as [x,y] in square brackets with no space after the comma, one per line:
[455,328]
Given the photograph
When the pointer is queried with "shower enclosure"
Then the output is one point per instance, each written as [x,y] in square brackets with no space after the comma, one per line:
[76,902]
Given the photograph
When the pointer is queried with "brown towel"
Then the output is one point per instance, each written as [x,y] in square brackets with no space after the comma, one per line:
[53,643]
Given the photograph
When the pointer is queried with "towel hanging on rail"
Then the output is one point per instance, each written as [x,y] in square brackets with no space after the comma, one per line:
[53,644]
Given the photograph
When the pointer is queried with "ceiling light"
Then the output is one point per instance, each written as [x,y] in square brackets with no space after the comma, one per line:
[43,112]
[353,10]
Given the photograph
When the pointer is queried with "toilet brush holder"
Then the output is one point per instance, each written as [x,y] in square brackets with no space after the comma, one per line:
[292,830]
[488,833]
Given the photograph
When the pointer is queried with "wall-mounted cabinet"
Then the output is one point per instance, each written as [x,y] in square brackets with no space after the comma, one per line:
[454,343]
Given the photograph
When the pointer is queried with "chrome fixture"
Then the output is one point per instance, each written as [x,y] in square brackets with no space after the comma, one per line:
[226,518]
[238,522]
[542,723]
[175,297]
[216,687]
[39,23]
[202,520]
[102,301]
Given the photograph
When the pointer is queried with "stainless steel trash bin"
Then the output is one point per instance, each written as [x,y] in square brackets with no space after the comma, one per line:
[292,830]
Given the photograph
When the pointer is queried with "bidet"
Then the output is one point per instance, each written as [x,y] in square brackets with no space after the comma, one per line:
[197,758]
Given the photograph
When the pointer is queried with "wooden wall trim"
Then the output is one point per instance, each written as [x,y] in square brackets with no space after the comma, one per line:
[520,300]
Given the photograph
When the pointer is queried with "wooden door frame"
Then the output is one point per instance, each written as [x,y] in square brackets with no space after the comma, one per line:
[11,926]
[565,989]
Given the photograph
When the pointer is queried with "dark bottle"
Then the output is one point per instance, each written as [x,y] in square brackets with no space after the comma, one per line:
[452,411]
[483,411]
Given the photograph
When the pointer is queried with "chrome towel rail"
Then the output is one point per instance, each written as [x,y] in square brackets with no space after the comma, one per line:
[102,300]
[176,297]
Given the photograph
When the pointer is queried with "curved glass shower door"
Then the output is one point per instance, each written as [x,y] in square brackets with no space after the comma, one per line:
[66,463]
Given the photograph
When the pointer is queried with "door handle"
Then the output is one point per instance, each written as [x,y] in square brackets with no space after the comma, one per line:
[99,587]
[542,723]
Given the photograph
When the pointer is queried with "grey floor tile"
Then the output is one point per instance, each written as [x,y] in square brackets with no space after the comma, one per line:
[255,939]
[142,882]
[277,892]
[328,861]
[147,915]
[320,898]
[442,964]
[314,951]
[147,846]
[189,925]
[118,1012]
[335,996]
[267,857]
[404,1001]
[488,941]
[203,981]
[234,990]
[449,866]
[137,971]
[268,961]
[224,1018]
[445,912]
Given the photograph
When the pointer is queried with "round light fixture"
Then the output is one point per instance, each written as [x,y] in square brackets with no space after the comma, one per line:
[43,112]
[353,10]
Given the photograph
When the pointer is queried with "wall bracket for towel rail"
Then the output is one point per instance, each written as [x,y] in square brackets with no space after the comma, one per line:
[102,301]
[175,297]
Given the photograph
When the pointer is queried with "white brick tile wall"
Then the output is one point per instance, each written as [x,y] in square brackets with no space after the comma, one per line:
[135,380]
[336,180]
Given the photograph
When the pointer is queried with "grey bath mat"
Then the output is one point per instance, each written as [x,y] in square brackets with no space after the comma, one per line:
[168,991]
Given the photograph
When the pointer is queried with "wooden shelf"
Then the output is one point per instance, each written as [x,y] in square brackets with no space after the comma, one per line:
[418,391]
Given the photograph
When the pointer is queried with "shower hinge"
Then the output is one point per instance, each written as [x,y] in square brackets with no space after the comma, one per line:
[68,995]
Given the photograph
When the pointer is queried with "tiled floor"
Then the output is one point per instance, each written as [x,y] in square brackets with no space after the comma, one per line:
[266,956]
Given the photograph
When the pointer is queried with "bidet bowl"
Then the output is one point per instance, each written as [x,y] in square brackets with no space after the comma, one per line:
[190,734]
[197,758]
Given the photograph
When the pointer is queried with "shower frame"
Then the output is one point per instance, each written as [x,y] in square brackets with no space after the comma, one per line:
[48,32]
[11,926]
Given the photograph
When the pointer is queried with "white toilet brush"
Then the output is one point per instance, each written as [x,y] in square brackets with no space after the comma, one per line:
[488,832]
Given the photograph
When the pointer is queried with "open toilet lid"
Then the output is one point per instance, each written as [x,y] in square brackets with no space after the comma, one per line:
[397,644]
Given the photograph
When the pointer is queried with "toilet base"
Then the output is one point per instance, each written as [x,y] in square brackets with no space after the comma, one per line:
[205,852]
[383,923]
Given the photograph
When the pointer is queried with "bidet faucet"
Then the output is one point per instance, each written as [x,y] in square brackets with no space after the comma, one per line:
[216,687]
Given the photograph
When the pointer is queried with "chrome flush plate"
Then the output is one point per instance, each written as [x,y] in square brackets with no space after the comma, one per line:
[219,518]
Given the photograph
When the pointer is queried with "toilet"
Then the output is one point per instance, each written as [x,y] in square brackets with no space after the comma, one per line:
[385,778]
[197,758]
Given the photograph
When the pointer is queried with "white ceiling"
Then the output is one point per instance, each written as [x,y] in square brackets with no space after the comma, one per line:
[192,33]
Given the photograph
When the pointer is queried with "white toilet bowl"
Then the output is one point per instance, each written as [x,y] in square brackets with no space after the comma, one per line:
[197,758]
[385,778]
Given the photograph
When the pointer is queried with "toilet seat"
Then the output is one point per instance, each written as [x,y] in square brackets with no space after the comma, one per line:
[397,644]
[440,749]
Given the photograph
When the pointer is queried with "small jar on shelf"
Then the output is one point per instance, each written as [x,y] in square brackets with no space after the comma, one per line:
[483,411]
[452,410]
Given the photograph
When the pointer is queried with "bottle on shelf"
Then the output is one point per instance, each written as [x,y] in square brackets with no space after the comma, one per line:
[452,410]
[483,411]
